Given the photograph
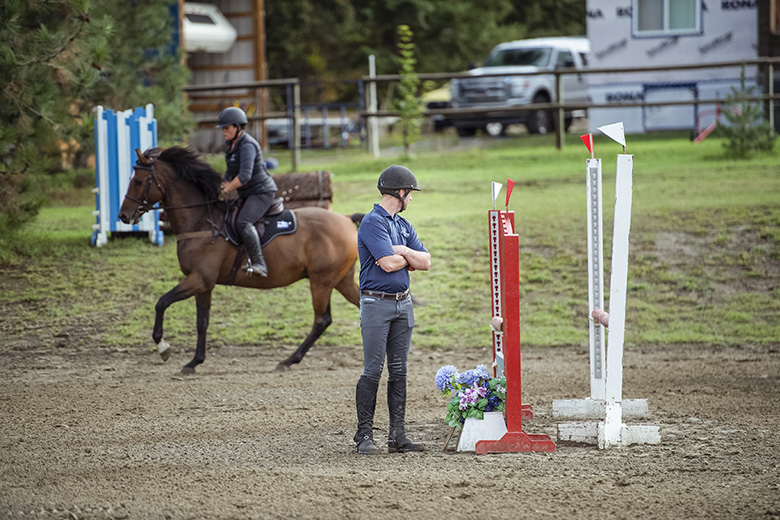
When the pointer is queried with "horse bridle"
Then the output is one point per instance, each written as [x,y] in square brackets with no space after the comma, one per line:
[144,204]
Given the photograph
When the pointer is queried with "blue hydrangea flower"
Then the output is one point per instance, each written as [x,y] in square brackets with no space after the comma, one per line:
[468,378]
[474,376]
[482,372]
[445,377]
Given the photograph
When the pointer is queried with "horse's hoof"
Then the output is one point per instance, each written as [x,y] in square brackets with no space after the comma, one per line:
[282,367]
[187,371]
[163,348]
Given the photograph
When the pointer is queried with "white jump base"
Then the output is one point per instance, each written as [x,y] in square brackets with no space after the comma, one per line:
[583,409]
[593,433]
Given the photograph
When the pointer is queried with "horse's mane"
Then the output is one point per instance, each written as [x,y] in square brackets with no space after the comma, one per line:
[190,167]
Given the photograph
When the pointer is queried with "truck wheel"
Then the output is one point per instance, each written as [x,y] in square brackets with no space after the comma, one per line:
[495,129]
[540,121]
[466,132]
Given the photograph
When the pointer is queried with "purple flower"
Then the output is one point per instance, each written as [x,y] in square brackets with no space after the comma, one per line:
[473,390]
[469,396]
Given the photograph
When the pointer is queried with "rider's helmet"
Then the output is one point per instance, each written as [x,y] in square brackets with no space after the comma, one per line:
[396,178]
[232,116]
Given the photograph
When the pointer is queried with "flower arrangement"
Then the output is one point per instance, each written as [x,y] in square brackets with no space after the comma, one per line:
[474,392]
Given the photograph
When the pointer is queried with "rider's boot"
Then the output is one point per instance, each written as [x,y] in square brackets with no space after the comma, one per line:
[365,401]
[397,441]
[252,243]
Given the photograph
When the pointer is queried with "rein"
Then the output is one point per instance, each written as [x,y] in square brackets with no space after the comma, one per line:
[144,204]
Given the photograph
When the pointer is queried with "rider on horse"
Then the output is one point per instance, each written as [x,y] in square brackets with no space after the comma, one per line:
[246,172]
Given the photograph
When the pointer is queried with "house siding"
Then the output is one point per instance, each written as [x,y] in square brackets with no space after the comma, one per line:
[729,32]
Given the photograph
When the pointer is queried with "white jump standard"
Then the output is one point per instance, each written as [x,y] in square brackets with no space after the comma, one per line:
[606,364]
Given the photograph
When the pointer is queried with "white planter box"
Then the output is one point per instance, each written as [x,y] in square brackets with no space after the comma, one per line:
[491,428]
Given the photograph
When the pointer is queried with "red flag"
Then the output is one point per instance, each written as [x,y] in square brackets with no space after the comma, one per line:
[588,140]
[509,185]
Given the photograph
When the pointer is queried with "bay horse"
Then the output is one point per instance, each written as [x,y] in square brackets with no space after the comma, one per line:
[323,249]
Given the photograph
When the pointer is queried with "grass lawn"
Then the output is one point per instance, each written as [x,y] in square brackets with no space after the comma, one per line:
[704,253]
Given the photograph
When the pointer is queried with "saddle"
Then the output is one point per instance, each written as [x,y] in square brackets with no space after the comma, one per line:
[277,221]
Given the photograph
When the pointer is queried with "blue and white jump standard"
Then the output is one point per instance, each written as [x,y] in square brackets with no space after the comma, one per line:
[117,135]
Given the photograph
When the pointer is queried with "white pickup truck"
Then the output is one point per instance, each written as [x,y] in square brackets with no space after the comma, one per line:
[523,56]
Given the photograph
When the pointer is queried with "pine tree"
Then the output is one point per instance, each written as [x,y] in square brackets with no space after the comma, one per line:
[746,132]
[60,58]
[43,54]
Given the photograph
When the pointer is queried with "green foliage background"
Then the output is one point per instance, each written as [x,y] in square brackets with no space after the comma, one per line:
[330,40]
[333,37]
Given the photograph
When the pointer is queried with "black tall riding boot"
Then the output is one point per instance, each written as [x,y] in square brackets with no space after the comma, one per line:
[397,441]
[252,243]
[365,401]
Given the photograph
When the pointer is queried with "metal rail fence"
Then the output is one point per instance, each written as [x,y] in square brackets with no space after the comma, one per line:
[367,99]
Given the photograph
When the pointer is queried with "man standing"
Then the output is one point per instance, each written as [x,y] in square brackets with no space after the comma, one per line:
[389,248]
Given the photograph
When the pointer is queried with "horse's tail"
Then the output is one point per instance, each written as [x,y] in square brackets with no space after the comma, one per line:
[357,218]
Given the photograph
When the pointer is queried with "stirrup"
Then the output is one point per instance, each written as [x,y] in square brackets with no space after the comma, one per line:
[257,270]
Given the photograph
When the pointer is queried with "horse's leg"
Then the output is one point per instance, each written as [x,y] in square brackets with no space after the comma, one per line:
[203,304]
[192,284]
[320,296]
[165,301]
[349,289]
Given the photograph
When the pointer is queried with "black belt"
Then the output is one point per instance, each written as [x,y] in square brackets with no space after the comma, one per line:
[390,295]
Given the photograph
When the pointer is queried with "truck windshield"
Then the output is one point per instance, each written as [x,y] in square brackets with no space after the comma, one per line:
[538,57]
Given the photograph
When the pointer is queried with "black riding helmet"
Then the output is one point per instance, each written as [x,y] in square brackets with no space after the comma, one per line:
[232,116]
[395,178]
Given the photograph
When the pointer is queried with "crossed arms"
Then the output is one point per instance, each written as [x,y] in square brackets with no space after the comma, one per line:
[403,256]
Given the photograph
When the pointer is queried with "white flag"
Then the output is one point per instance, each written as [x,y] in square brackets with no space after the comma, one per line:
[615,132]
[496,191]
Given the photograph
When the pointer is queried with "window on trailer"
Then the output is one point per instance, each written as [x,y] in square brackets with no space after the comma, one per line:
[666,17]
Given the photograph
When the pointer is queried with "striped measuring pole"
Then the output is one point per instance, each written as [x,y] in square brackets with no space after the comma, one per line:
[595,276]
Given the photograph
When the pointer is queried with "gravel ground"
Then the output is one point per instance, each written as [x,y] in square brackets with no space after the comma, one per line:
[92,433]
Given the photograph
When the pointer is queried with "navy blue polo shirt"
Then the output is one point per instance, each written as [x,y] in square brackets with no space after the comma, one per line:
[377,234]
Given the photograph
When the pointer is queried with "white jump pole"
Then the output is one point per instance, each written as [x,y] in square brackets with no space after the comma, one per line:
[613,419]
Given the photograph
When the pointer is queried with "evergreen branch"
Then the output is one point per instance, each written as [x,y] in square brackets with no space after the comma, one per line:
[83,18]
[31,109]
